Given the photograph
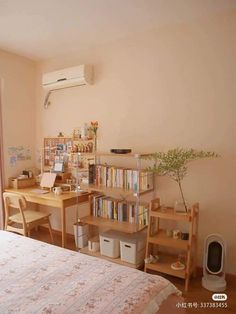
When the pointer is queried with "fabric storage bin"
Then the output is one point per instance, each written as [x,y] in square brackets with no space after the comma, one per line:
[110,243]
[81,234]
[132,249]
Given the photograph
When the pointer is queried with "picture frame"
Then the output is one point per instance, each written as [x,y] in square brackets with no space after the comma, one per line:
[58,166]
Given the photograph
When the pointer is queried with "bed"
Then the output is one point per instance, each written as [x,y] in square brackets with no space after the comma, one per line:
[36,277]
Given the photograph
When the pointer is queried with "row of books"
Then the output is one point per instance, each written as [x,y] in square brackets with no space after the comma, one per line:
[107,207]
[114,177]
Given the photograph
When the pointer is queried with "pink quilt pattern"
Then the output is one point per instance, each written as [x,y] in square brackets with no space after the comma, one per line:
[36,277]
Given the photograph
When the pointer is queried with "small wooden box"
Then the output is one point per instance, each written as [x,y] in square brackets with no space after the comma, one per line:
[62,177]
[21,183]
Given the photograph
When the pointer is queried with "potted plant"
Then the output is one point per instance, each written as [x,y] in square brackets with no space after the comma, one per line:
[174,162]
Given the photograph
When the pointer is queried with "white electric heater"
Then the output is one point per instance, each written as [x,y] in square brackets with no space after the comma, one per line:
[214,263]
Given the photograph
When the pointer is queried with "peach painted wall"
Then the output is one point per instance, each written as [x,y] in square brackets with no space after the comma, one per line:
[18,108]
[169,87]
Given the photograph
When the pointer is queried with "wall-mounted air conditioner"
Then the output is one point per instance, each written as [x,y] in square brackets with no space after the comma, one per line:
[74,76]
[69,77]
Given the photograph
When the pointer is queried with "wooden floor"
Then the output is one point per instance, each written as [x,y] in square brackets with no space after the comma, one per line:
[195,294]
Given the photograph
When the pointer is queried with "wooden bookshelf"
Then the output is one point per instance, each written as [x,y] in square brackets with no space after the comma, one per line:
[129,155]
[117,208]
[161,238]
[122,226]
[114,260]
[169,214]
[116,192]
[108,154]
[164,266]
[157,239]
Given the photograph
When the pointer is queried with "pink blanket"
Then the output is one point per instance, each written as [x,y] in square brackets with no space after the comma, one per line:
[36,277]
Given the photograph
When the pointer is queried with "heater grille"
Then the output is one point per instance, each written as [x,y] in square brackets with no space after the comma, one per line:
[214,259]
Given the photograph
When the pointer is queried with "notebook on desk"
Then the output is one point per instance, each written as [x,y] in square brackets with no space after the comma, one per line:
[40,191]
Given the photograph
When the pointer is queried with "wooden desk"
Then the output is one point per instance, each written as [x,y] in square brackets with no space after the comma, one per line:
[50,199]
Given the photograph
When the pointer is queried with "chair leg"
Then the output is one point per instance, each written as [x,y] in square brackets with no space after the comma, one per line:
[50,230]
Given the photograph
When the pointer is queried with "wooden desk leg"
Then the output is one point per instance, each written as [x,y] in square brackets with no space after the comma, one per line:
[63,226]
[37,210]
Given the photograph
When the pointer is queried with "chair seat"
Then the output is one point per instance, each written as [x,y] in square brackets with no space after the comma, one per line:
[30,216]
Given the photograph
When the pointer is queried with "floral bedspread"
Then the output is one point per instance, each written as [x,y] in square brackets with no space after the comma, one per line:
[36,277]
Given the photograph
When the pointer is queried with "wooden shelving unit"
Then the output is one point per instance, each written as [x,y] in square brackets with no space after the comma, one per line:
[85,147]
[158,238]
[164,266]
[134,219]
[116,192]
[162,239]
[114,260]
[122,226]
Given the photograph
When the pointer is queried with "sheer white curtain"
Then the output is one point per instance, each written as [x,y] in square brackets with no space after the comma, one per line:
[1,160]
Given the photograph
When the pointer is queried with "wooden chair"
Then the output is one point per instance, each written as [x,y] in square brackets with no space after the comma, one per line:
[25,220]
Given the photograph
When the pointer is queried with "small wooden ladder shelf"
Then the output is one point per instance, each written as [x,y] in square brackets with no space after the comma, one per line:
[158,238]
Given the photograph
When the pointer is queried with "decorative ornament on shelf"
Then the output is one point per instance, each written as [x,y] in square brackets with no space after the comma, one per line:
[173,164]
[177,266]
[94,128]
[180,263]
[152,259]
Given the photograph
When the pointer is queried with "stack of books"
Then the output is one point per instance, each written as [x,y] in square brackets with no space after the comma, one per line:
[114,177]
[107,207]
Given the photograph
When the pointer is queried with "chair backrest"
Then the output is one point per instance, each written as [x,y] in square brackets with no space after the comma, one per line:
[13,200]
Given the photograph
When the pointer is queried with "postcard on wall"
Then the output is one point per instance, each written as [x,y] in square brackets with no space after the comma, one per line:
[18,153]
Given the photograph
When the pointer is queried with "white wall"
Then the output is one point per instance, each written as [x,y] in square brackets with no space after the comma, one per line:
[162,89]
[18,75]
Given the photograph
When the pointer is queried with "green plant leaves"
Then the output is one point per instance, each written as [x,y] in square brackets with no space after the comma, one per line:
[174,162]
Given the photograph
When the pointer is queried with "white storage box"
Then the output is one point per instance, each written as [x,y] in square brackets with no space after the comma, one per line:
[110,243]
[81,234]
[132,249]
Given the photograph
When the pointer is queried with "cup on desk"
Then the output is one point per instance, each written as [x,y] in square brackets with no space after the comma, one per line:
[57,190]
